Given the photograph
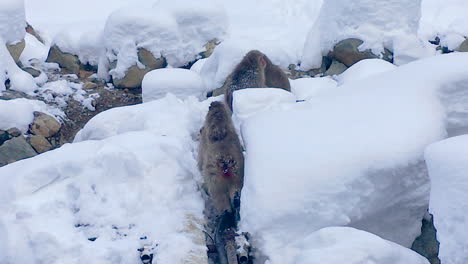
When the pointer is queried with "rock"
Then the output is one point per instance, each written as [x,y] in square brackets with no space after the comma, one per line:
[34,73]
[67,61]
[14,132]
[89,85]
[210,46]
[85,74]
[4,136]
[40,143]
[15,149]
[464,46]
[426,244]
[336,68]
[16,50]
[33,32]
[347,52]
[44,125]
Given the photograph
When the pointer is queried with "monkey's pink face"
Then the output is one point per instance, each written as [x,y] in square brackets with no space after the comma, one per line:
[227,167]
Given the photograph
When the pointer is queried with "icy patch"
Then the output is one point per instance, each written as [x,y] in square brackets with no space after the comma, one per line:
[180,82]
[19,113]
[306,88]
[446,161]
[363,69]
[12,21]
[354,247]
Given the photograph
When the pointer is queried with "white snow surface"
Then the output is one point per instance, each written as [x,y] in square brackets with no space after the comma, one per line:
[136,179]
[180,82]
[337,245]
[19,113]
[19,79]
[363,69]
[306,88]
[12,21]
[446,161]
[352,156]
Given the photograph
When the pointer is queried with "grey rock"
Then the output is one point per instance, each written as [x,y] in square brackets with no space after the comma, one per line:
[4,136]
[33,32]
[426,244]
[89,85]
[209,48]
[336,68]
[463,47]
[44,125]
[134,75]
[34,73]
[16,50]
[15,149]
[347,52]
[66,61]
[40,143]
[14,132]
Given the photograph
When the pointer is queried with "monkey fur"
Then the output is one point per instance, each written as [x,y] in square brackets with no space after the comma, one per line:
[255,70]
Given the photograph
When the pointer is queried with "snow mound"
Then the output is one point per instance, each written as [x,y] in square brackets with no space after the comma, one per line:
[34,50]
[446,20]
[364,69]
[132,181]
[163,117]
[19,79]
[198,65]
[176,30]
[12,21]
[306,88]
[19,113]
[180,82]
[336,245]
[350,157]
[446,161]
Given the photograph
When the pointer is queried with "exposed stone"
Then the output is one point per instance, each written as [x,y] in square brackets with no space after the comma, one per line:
[89,85]
[33,32]
[14,132]
[34,73]
[44,125]
[464,46]
[209,48]
[40,143]
[134,75]
[16,50]
[66,61]
[85,74]
[4,136]
[15,149]
[347,52]
[426,244]
[336,68]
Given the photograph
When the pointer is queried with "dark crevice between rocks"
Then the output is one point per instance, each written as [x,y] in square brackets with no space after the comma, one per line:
[426,244]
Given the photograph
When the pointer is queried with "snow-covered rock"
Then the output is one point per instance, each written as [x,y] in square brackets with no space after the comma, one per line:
[337,245]
[352,156]
[99,200]
[180,82]
[446,161]
[19,113]
[305,88]
[12,21]
[364,69]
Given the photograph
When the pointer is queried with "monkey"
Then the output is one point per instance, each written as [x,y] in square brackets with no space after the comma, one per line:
[221,164]
[220,159]
[255,70]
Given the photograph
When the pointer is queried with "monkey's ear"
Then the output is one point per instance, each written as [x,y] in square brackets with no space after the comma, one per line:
[262,61]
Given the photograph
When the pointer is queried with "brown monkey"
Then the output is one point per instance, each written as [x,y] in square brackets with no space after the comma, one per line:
[220,159]
[255,70]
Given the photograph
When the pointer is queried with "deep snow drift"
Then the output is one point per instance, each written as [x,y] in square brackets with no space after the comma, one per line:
[446,161]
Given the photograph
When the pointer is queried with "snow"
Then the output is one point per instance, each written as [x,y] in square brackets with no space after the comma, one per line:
[198,65]
[12,21]
[364,69]
[60,92]
[19,79]
[180,82]
[306,88]
[124,179]
[350,157]
[19,113]
[446,20]
[34,50]
[336,245]
[446,161]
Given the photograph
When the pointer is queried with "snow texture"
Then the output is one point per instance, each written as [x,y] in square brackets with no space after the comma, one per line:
[180,82]
[19,79]
[98,201]
[352,156]
[364,69]
[19,113]
[446,161]
[306,88]
[12,21]
[337,245]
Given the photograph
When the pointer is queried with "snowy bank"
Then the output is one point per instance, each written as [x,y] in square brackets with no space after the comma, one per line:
[12,21]
[446,161]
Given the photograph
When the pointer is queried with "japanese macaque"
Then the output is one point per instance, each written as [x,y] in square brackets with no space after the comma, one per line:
[220,159]
[255,70]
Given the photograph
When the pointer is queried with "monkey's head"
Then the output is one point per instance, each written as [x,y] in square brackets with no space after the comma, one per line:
[255,57]
[227,166]
[216,121]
